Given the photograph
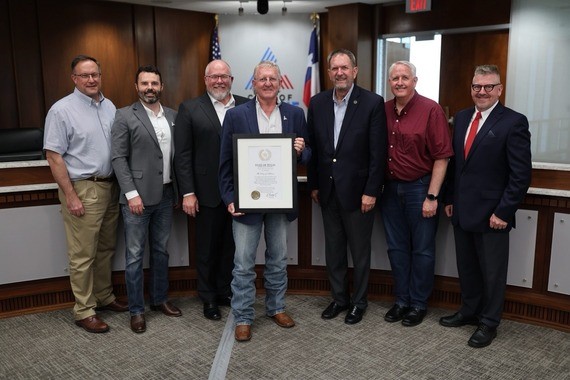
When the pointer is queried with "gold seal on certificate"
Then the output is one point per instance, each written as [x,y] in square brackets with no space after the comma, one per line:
[265,154]
[265,172]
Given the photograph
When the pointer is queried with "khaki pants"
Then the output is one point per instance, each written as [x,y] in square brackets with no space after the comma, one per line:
[91,241]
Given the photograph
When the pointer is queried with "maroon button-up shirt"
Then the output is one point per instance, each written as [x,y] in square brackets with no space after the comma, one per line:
[417,137]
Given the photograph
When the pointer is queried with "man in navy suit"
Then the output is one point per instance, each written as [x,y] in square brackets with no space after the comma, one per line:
[263,114]
[489,177]
[142,151]
[197,157]
[347,133]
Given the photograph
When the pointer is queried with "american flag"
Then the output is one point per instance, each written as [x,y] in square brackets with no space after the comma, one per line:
[215,52]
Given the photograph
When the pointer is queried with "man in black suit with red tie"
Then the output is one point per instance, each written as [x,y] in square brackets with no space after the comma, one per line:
[196,159]
[489,177]
[347,134]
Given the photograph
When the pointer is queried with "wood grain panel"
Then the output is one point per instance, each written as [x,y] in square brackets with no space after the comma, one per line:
[460,54]
[26,176]
[445,14]
[8,105]
[144,35]
[182,43]
[28,64]
[103,30]
[550,179]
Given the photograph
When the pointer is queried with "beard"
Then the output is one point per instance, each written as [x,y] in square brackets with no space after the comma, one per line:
[144,96]
[219,93]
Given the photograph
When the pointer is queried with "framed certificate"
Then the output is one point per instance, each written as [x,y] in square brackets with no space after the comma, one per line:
[265,173]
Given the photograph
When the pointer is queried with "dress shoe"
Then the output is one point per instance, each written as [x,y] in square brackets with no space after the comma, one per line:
[225,301]
[458,320]
[138,323]
[333,310]
[211,311]
[93,324]
[167,308]
[483,336]
[354,315]
[116,305]
[414,317]
[283,320]
[243,333]
[396,313]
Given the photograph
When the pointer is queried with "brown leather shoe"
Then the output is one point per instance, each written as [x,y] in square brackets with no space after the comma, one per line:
[93,324]
[138,323]
[243,333]
[116,305]
[167,308]
[283,320]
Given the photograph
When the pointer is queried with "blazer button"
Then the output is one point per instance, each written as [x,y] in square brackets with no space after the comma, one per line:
[334,159]
[160,172]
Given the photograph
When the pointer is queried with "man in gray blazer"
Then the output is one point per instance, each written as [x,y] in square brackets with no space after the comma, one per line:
[197,141]
[142,150]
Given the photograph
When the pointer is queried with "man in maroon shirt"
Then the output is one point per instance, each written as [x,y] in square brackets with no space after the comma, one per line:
[419,147]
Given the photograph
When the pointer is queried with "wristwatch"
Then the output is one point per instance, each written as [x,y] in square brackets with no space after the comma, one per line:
[431,197]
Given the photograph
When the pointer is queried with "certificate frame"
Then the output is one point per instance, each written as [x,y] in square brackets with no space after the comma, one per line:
[265,173]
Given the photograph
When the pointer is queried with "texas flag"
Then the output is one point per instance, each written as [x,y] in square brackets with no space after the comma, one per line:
[312,82]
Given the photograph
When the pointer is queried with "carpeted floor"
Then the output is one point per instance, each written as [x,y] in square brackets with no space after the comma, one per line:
[50,346]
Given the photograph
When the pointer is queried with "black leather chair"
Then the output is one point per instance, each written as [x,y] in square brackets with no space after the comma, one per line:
[21,144]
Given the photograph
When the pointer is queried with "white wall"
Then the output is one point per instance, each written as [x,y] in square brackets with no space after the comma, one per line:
[246,40]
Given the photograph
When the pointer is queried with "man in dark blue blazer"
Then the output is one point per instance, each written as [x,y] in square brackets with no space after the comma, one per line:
[489,177]
[347,133]
[263,114]
[196,159]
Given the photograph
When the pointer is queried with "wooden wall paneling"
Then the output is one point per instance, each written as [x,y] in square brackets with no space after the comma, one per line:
[325,48]
[445,14]
[182,52]
[27,63]
[342,28]
[144,35]
[103,30]
[460,54]
[366,47]
[9,117]
[550,179]
[351,27]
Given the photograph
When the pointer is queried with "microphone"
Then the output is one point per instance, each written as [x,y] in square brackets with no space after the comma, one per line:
[262,6]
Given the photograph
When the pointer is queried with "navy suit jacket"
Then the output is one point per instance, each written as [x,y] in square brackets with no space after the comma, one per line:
[495,176]
[197,149]
[357,164]
[137,158]
[243,119]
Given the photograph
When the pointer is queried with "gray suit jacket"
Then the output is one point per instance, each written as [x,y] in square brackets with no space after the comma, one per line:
[137,158]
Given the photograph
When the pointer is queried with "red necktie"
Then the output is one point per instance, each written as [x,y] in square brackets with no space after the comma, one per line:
[472,133]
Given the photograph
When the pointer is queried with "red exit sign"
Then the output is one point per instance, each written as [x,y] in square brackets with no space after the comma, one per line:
[413,6]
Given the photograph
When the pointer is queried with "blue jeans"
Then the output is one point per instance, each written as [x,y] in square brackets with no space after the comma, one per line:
[275,274]
[411,241]
[155,222]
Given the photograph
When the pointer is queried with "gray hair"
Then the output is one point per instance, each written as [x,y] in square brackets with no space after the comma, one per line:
[217,61]
[487,70]
[268,65]
[342,51]
[408,64]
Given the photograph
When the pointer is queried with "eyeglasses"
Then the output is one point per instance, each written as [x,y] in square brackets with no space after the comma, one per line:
[215,77]
[266,79]
[487,87]
[87,76]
